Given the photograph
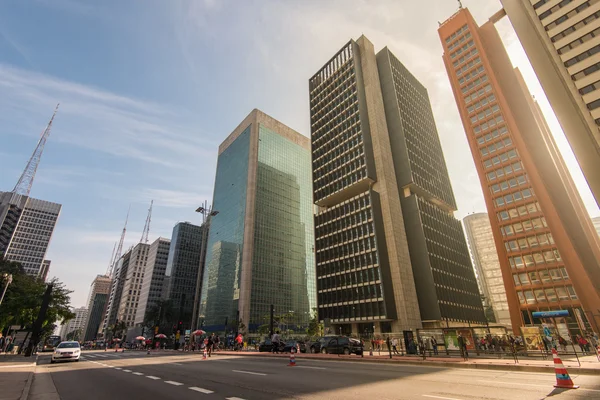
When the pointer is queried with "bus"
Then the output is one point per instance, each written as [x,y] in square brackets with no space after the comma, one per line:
[51,343]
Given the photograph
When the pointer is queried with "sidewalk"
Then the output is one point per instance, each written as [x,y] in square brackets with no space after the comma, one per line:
[16,361]
[589,364]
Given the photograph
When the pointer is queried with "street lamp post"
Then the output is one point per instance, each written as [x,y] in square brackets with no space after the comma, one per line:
[8,278]
[207,214]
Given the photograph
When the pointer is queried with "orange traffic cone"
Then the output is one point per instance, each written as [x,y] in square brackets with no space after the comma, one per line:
[563,380]
[292,360]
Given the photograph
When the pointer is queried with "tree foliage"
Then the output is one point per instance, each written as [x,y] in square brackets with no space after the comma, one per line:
[23,300]
[315,327]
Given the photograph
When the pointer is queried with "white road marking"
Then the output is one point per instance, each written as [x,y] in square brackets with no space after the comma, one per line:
[137,373]
[304,366]
[532,384]
[126,370]
[119,368]
[233,398]
[440,397]
[247,372]
[176,364]
[153,377]
[197,389]
[174,383]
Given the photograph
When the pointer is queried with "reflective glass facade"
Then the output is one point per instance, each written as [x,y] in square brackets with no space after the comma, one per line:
[283,271]
[220,284]
[260,246]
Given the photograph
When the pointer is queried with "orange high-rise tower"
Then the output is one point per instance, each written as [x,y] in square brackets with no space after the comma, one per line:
[548,252]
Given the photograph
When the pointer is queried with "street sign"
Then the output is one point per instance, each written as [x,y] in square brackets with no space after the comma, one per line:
[550,314]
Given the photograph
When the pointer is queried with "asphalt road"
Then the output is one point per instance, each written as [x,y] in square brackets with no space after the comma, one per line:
[135,375]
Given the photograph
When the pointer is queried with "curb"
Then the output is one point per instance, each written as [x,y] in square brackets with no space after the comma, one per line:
[497,367]
[27,388]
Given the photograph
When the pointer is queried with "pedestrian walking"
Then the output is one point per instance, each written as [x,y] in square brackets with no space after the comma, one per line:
[395,346]
[239,342]
[434,345]
[583,344]
[563,343]
[462,344]
[209,344]
[275,340]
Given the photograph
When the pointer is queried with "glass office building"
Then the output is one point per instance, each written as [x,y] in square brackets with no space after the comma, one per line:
[260,245]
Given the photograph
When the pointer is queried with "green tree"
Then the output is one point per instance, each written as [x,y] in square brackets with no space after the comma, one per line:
[23,300]
[315,327]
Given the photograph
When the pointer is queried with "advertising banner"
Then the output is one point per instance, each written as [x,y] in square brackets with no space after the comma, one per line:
[468,338]
[532,338]
[451,339]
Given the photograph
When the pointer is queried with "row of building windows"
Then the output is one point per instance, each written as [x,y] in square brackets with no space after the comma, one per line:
[485,113]
[466,57]
[540,276]
[582,56]
[463,28]
[340,184]
[551,295]
[346,99]
[513,197]
[341,166]
[481,103]
[509,184]
[347,264]
[343,56]
[535,259]
[360,277]
[585,72]
[590,88]
[488,124]
[518,212]
[459,41]
[541,239]
[475,84]
[463,48]
[492,135]
[326,94]
[578,42]
[499,159]
[570,14]
[505,171]
[467,66]
[517,228]
[339,133]
[557,7]
[478,93]
[494,147]
[575,27]
[370,310]
[470,75]
[325,125]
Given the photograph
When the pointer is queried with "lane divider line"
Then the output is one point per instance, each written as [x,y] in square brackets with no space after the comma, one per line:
[174,383]
[126,370]
[247,372]
[233,398]
[137,373]
[197,389]
[532,384]
[153,377]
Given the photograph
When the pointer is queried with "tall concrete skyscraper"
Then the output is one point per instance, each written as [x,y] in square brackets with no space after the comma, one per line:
[260,245]
[485,260]
[182,270]
[548,252]
[132,284]
[154,276]
[561,42]
[75,326]
[26,227]
[96,305]
[385,204]
[116,291]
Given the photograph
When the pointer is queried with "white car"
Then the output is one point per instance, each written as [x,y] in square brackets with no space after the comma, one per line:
[66,351]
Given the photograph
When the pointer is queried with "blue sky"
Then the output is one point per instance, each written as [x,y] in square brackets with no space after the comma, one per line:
[148,89]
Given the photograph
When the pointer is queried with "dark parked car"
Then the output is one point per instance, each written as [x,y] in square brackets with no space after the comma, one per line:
[341,345]
[315,347]
[287,347]
[291,346]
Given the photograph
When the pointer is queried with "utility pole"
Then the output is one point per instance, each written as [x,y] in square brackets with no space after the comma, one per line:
[207,214]
[8,278]
[272,321]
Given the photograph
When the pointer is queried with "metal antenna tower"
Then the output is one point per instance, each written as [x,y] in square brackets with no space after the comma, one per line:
[146,230]
[112,260]
[23,186]
[120,246]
